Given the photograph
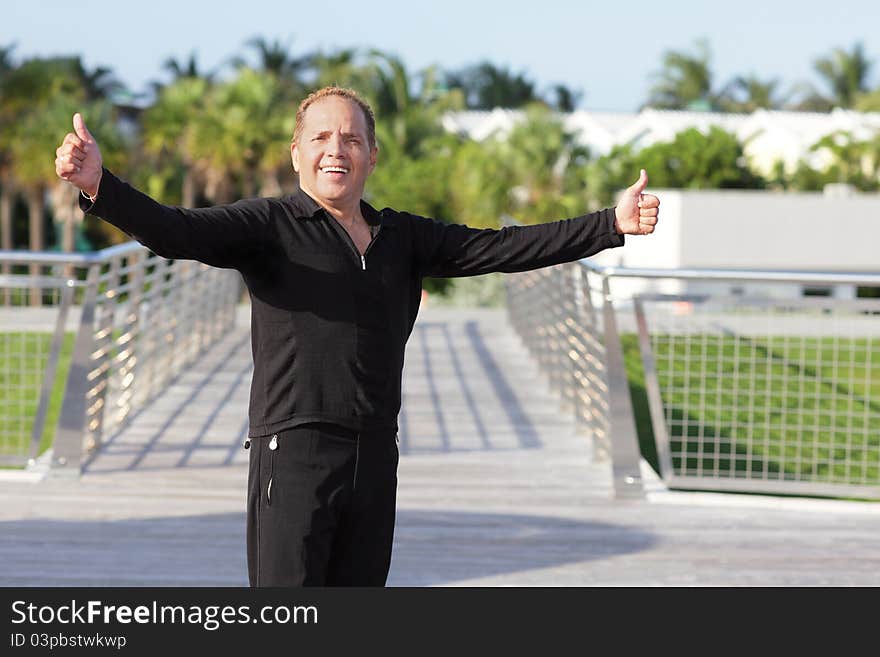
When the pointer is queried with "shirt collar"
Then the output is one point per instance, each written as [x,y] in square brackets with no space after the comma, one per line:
[310,207]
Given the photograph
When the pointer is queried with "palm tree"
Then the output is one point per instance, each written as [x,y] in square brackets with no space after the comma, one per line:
[243,135]
[180,69]
[98,84]
[845,74]
[186,69]
[339,68]
[749,93]
[685,80]
[534,172]
[32,93]
[546,165]
[31,152]
[563,98]
[486,86]
[6,63]
[39,96]
[168,126]
[390,92]
[6,123]
[274,57]
[405,117]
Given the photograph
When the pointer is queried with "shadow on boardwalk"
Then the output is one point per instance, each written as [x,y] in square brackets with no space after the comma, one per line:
[208,550]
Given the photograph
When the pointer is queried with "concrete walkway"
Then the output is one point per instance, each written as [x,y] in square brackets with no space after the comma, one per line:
[495,489]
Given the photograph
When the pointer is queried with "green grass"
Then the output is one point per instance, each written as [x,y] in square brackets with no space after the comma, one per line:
[781,408]
[23,358]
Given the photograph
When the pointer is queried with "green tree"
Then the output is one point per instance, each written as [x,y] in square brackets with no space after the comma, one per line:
[692,160]
[6,63]
[340,68]
[486,86]
[869,101]
[169,139]
[164,171]
[535,173]
[274,57]
[845,74]
[852,161]
[685,80]
[39,97]
[242,136]
[408,108]
[7,122]
[749,93]
[188,68]
[547,167]
[806,178]
[563,98]
[423,184]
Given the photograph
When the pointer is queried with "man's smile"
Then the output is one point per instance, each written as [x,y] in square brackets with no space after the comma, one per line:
[334,170]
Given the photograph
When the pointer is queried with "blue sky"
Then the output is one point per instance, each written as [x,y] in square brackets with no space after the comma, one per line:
[607,50]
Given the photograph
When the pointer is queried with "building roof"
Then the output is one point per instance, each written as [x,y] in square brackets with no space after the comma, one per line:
[791,133]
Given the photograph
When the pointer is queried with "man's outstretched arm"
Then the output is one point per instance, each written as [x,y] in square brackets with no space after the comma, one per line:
[223,236]
[455,250]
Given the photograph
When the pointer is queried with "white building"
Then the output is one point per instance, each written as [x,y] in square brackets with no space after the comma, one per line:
[652,126]
[788,136]
[767,136]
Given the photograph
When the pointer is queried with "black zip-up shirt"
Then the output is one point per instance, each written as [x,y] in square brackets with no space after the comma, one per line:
[329,326]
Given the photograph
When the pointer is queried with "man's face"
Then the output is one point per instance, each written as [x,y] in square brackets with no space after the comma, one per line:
[333,156]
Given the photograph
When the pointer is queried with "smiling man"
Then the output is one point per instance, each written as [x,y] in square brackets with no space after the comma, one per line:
[333,151]
[335,287]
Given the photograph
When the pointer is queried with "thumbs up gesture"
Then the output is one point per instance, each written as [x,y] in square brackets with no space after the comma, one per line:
[636,212]
[78,159]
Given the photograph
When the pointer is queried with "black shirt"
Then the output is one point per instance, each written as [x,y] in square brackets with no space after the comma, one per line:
[329,327]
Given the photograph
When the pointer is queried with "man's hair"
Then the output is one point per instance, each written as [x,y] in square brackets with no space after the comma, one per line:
[342,92]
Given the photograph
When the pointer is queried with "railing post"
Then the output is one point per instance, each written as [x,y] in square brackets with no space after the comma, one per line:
[51,368]
[68,444]
[571,354]
[624,442]
[655,399]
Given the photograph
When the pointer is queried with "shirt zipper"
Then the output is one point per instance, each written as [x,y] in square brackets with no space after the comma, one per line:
[370,245]
[347,238]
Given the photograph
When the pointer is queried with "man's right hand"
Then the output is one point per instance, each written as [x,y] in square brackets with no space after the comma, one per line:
[78,159]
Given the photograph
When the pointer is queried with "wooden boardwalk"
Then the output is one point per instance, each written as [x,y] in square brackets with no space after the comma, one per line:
[495,489]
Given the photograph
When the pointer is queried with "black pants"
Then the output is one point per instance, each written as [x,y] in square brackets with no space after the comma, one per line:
[320,507]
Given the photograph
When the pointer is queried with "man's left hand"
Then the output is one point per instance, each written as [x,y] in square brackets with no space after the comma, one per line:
[636,212]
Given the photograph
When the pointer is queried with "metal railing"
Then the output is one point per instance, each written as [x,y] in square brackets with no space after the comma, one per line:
[741,393]
[85,339]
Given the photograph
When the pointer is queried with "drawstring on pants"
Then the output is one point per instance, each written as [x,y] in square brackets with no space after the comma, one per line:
[357,456]
[273,446]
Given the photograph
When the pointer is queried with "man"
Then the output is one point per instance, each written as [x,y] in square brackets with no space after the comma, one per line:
[335,288]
